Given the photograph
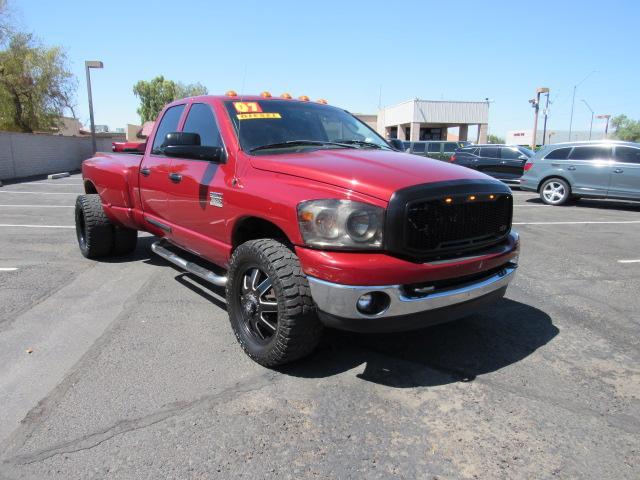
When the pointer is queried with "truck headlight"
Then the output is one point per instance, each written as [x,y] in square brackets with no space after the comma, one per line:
[340,224]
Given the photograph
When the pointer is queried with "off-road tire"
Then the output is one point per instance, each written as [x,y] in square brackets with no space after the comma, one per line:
[298,329]
[124,240]
[93,229]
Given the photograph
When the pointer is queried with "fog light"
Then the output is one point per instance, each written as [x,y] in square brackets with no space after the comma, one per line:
[373,303]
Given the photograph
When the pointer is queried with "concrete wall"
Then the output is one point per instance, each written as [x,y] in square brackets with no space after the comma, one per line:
[27,154]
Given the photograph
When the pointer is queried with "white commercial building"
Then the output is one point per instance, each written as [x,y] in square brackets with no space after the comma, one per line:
[430,120]
[524,136]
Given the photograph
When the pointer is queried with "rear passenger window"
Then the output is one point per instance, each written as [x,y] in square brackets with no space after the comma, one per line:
[559,154]
[200,120]
[489,152]
[627,155]
[510,153]
[418,148]
[168,124]
[434,148]
[450,147]
[590,153]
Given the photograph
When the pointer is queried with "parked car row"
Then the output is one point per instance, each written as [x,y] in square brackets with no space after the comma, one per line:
[438,149]
[559,173]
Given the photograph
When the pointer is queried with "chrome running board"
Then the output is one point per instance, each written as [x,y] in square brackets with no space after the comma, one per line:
[159,249]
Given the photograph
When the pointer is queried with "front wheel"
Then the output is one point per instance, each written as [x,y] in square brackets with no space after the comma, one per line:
[555,191]
[270,305]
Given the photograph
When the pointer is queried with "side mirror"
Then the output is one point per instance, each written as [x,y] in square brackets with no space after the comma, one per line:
[396,143]
[187,145]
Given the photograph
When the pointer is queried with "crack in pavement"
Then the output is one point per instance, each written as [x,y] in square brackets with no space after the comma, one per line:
[123,427]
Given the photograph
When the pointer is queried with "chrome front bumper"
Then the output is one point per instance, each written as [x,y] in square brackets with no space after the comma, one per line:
[341,300]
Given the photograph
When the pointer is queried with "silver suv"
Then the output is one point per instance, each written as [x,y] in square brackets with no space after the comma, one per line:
[600,169]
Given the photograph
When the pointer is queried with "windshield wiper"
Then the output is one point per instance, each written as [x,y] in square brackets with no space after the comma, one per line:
[294,143]
[361,143]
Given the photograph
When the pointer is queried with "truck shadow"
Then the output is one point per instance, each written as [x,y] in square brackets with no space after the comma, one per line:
[453,352]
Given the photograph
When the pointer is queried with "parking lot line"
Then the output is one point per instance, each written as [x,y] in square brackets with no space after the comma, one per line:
[533,205]
[52,183]
[8,269]
[39,206]
[574,223]
[36,226]
[629,261]
[41,193]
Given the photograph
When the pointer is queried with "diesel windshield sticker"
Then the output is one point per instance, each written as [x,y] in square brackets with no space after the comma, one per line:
[247,107]
[253,116]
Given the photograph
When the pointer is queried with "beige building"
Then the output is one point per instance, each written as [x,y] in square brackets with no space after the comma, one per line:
[417,120]
[69,127]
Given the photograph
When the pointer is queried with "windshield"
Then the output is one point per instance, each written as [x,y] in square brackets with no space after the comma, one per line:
[278,126]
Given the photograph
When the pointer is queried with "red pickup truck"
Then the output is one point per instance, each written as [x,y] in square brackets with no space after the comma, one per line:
[306,216]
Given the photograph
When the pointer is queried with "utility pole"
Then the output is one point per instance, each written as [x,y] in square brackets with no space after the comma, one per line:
[592,113]
[87,65]
[535,103]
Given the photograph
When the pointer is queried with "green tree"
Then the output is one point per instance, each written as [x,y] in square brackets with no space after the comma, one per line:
[494,139]
[626,128]
[36,85]
[190,90]
[5,26]
[157,92]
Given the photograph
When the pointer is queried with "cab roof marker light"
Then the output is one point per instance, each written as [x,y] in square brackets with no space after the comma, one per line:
[304,98]
[286,96]
[231,93]
[472,197]
[265,94]
[322,101]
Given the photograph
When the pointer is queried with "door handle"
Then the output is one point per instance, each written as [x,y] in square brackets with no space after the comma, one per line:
[618,170]
[175,177]
[571,167]
[145,171]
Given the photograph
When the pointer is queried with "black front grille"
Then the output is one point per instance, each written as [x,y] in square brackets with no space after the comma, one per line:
[447,219]
[436,225]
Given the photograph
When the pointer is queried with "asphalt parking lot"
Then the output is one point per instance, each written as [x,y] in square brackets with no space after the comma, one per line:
[134,371]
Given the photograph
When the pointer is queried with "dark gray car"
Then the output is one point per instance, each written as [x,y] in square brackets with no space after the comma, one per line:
[504,162]
[603,169]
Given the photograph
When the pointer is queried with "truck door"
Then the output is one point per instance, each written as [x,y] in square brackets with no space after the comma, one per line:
[154,170]
[625,173]
[196,195]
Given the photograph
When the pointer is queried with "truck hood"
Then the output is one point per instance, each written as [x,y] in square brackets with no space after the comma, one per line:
[378,173]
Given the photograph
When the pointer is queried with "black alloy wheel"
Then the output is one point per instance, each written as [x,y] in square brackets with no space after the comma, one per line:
[258,305]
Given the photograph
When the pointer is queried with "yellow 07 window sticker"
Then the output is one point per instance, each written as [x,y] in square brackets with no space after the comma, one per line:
[253,116]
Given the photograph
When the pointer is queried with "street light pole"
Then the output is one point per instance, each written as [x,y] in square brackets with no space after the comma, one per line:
[573,101]
[546,115]
[606,128]
[592,113]
[87,65]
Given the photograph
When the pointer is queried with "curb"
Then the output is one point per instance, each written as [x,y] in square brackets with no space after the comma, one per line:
[54,176]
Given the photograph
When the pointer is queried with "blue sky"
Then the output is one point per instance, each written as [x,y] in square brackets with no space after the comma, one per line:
[346,51]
